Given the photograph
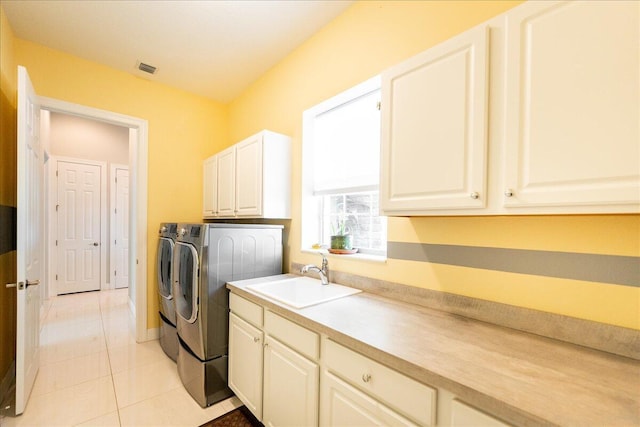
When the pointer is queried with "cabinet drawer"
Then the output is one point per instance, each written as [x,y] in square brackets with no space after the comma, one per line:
[246,309]
[409,397]
[466,416]
[295,336]
[344,405]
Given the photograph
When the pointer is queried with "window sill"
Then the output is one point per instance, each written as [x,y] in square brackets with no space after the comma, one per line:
[355,257]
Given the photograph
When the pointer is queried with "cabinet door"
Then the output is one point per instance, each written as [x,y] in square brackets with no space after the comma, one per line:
[227,182]
[434,128]
[249,176]
[343,405]
[572,106]
[245,363]
[290,387]
[210,187]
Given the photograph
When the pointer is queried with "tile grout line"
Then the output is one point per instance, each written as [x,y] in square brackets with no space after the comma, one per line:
[113,384]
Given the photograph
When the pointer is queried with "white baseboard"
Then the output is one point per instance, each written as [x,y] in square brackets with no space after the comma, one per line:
[153,334]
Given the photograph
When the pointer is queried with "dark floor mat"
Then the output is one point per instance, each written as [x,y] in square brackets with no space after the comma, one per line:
[239,417]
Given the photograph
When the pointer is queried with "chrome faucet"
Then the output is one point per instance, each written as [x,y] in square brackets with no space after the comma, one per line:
[322,271]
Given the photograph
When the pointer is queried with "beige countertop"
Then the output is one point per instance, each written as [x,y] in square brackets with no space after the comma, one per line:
[521,378]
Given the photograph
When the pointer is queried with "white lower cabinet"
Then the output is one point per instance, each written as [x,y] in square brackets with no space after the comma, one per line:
[245,363]
[287,376]
[385,394]
[290,387]
[344,405]
[273,372]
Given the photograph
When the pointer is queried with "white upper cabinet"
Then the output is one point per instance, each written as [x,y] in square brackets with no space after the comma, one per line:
[555,130]
[253,179]
[434,128]
[210,187]
[249,176]
[572,112]
[226,182]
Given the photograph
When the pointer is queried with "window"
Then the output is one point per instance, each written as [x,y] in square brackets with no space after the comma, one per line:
[341,161]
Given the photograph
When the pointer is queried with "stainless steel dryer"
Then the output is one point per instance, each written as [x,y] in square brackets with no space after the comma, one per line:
[164,259]
[206,257]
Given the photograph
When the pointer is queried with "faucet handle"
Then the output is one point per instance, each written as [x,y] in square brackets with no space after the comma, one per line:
[325,262]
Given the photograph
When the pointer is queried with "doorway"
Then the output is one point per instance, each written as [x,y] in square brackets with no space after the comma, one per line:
[137,225]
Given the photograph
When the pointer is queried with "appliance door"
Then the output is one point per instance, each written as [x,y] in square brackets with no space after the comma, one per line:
[163,268]
[185,281]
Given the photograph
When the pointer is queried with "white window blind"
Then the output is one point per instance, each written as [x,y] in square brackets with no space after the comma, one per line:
[346,146]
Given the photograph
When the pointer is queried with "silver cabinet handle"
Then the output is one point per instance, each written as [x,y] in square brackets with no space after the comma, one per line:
[256,339]
[94,244]
[366,377]
[34,283]
[11,285]
[474,195]
[508,192]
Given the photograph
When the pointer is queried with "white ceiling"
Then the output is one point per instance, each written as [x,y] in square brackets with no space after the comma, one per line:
[213,48]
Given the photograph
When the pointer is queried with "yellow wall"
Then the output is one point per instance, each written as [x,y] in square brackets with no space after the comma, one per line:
[361,43]
[183,130]
[8,147]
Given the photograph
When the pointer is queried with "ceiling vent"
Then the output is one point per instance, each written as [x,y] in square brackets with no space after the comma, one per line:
[146,68]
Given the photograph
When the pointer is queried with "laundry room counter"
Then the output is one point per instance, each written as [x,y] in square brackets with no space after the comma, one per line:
[521,378]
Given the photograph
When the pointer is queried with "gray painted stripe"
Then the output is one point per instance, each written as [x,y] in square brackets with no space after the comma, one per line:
[619,270]
[7,229]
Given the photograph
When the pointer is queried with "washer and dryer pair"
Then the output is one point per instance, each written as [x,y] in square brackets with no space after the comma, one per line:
[205,258]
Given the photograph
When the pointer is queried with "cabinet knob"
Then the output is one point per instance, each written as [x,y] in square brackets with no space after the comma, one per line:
[366,378]
[474,195]
[508,192]
[256,339]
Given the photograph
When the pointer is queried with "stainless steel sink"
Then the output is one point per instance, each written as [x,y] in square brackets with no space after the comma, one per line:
[300,292]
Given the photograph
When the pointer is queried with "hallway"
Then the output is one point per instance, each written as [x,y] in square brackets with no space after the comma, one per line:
[93,373]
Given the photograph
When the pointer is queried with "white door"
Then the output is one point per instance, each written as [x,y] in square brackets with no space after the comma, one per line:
[572,105]
[30,237]
[249,176]
[245,363]
[121,225]
[297,403]
[227,182]
[78,242]
[434,128]
[210,187]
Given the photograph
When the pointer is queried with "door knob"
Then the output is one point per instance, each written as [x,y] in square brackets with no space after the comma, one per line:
[19,285]
[34,283]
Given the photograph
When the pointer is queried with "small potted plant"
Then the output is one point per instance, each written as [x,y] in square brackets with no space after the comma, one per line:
[341,237]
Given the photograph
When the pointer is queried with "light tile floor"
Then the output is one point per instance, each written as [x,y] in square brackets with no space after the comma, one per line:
[93,373]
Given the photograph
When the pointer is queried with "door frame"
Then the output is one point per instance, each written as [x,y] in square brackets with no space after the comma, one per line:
[112,219]
[138,171]
[52,190]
